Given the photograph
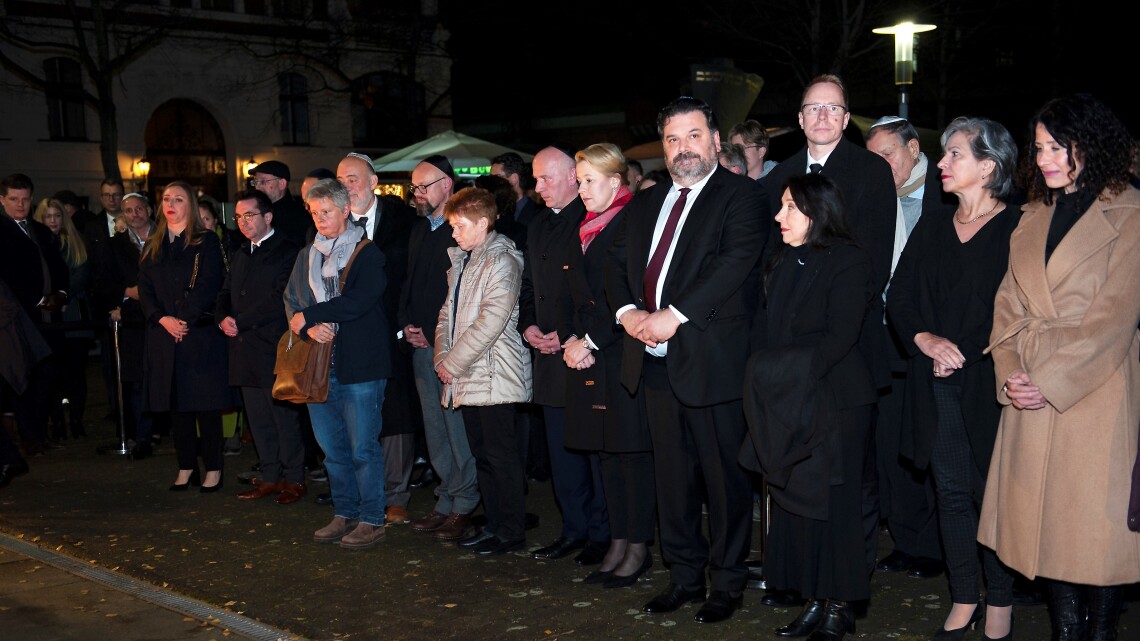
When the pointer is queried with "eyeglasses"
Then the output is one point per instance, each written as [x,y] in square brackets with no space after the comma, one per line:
[245,218]
[258,183]
[814,109]
[418,188]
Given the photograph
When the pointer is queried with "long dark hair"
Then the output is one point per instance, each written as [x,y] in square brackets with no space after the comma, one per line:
[1087,128]
[818,198]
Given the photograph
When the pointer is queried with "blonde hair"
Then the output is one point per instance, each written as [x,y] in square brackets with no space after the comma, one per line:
[606,158]
[70,242]
[194,227]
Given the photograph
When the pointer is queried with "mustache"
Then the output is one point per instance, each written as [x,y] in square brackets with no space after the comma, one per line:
[686,155]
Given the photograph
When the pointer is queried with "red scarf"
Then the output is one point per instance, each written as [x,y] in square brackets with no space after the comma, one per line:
[594,222]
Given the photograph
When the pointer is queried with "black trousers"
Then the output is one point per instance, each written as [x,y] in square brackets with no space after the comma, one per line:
[694,455]
[499,461]
[627,478]
[276,430]
[185,427]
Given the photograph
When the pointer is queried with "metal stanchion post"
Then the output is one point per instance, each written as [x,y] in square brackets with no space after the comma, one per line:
[121,449]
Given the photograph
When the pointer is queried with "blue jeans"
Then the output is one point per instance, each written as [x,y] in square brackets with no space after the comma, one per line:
[347,427]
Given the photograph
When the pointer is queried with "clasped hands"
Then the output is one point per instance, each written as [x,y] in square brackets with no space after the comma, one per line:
[945,354]
[176,328]
[576,353]
[650,328]
[1022,393]
[321,332]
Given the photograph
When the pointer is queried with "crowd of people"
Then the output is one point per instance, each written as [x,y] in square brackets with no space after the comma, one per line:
[850,337]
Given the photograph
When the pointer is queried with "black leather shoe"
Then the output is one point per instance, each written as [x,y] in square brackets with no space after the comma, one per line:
[427,478]
[719,607]
[561,547]
[592,553]
[806,622]
[324,498]
[838,620]
[673,598]
[495,546]
[11,471]
[896,561]
[924,568]
[475,540]
[782,599]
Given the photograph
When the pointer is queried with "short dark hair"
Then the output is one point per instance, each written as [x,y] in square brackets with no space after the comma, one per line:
[501,189]
[15,181]
[264,205]
[320,173]
[512,164]
[751,131]
[684,105]
[635,164]
[112,182]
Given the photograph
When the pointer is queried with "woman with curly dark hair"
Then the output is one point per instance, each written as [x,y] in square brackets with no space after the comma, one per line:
[1067,356]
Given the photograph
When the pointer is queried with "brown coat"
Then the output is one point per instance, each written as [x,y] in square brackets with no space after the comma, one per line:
[1056,500]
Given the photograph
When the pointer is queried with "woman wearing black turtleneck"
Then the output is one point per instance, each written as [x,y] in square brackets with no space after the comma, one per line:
[808,396]
[1067,353]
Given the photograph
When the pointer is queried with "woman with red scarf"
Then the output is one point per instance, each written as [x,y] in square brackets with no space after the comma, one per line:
[600,414]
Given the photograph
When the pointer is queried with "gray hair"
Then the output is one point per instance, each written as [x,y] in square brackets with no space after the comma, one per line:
[733,156]
[988,141]
[332,189]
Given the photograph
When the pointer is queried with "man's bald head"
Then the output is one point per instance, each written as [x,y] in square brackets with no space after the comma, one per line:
[555,179]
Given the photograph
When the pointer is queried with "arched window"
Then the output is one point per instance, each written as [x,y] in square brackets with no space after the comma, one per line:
[387,111]
[64,92]
[294,101]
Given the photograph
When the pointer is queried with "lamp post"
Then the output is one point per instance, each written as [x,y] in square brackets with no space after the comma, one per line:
[142,170]
[904,34]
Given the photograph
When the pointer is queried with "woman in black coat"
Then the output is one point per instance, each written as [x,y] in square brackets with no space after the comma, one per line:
[185,372]
[808,397]
[601,416]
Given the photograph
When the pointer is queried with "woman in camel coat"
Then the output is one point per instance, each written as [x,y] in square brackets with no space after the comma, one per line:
[1067,356]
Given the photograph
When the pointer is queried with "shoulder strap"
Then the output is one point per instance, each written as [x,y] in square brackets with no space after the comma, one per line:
[351,259]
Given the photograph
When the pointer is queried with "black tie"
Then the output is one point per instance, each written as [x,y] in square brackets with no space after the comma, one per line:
[24,227]
[362,223]
[815,167]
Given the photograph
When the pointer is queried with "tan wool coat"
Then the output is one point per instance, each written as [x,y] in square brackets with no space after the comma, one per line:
[1056,500]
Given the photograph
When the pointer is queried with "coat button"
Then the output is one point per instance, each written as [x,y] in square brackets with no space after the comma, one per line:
[542,297]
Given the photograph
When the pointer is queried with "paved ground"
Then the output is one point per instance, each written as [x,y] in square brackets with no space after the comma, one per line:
[258,560]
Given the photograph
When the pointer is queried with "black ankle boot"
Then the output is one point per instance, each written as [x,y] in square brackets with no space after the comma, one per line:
[806,622]
[838,620]
[1104,612]
[1067,611]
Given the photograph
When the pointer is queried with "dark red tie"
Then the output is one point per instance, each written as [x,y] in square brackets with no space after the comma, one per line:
[653,270]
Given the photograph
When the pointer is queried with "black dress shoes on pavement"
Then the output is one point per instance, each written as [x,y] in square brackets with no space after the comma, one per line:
[475,540]
[592,553]
[896,561]
[561,547]
[11,471]
[494,546]
[782,599]
[719,606]
[673,598]
[838,620]
[806,622]
[924,568]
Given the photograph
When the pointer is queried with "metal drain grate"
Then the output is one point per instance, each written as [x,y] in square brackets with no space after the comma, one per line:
[142,590]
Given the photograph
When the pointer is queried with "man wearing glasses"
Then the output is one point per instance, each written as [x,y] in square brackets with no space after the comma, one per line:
[868,189]
[290,218]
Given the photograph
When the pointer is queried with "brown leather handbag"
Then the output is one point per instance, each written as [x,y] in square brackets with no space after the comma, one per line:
[302,368]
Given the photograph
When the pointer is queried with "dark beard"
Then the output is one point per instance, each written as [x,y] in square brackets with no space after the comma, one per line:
[424,209]
[701,169]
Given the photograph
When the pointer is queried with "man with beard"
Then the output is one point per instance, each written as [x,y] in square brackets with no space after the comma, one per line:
[421,298]
[554,246]
[388,225]
[685,283]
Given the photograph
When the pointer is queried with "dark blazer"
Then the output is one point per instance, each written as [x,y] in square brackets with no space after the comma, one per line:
[713,280]
[425,286]
[360,354]
[552,248]
[806,371]
[292,219]
[251,293]
[118,271]
[22,269]
[188,376]
[918,301]
[600,413]
[868,189]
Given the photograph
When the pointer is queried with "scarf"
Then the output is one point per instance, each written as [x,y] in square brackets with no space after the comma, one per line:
[917,177]
[327,257]
[594,223]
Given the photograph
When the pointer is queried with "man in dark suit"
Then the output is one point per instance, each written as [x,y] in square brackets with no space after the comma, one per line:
[253,317]
[116,295]
[97,232]
[512,167]
[685,284]
[869,196]
[903,493]
[388,223]
[553,246]
[293,221]
[34,270]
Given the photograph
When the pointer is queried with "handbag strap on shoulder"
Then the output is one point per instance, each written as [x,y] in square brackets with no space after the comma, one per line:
[351,259]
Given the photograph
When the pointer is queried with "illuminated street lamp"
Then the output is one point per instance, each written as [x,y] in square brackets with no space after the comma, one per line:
[904,34]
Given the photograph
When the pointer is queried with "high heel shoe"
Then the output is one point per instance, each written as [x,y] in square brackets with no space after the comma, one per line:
[598,576]
[195,480]
[619,581]
[957,633]
[806,623]
[213,488]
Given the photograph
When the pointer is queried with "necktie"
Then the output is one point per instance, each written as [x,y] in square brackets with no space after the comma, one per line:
[362,223]
[815,167]
[24,227]
[653,270]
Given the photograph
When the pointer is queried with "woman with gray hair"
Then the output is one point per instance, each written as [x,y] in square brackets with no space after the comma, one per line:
[941,303]
[323,305]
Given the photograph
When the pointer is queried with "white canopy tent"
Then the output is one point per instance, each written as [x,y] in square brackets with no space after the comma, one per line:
[469,156]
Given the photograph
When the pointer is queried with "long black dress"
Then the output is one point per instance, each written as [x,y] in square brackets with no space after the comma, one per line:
[808,396]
